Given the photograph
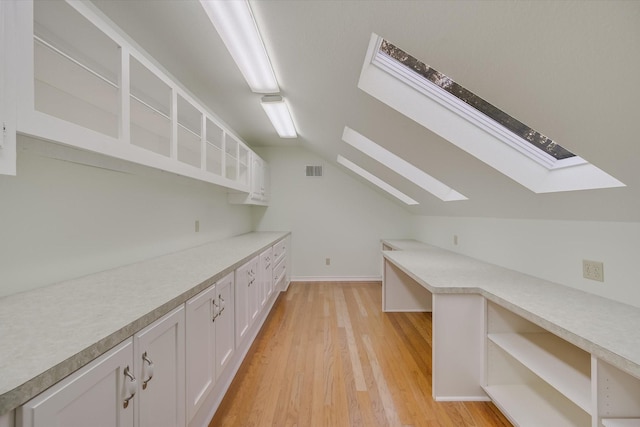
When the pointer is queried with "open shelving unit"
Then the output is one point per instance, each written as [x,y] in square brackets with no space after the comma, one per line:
[537,378]
[525,363]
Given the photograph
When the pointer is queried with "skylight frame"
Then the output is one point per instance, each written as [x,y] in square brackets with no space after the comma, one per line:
[471,137]
[400,166]
[434,92]
[376,181]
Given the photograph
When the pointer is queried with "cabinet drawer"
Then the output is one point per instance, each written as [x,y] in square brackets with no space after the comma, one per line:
[279,250]
[279,271]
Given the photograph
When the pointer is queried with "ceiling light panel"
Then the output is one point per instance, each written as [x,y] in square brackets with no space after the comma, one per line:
[400,166]
[237,27]
[280,116]
[376,181]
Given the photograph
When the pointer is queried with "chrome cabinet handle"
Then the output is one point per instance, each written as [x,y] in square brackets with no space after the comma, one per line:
[148,369]
[216,312]
[131,386]
[223,304]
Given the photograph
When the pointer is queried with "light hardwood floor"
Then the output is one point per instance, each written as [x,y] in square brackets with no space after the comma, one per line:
[328,356]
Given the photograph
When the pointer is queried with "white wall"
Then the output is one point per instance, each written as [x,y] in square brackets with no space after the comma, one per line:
[334,216]
[552,250]
[60,219]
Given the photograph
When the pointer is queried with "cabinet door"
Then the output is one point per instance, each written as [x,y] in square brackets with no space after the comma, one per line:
[266,278]
[254,291]
[159,362]
[241,302]
[8,69]
[257,178]
[200,348]
[246,298]
[224,323]
[93,396]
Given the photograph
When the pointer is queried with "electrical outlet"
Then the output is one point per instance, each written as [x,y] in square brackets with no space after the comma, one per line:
[327,261]
[455,239]
[197,226]
[593,270]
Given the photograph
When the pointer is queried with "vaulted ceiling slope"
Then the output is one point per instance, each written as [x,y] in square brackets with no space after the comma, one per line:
[568,69]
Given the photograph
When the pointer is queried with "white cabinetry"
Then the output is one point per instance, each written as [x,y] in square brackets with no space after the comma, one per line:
[266,276]
[258,179]
[224,323]
[7,89]
[82,83]
[99,395]
[281,266]
[210,340]
[201,348]
[259,188]
[139,383]
[246,298]
[160,370]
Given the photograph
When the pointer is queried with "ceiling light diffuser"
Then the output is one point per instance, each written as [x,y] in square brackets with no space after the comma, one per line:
[235,23]
[376,181]
[278,112]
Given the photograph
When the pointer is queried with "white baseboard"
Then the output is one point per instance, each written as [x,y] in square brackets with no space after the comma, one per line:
[462,399]
[336,279]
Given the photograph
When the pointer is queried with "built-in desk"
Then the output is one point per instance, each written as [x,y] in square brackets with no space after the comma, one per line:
[546,354]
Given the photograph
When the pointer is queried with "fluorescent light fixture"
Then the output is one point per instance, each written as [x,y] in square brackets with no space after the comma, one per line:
[278,112]
[235,23]
[376,181]
[400,166]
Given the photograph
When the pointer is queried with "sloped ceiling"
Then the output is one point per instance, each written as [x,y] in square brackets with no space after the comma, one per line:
[568,69]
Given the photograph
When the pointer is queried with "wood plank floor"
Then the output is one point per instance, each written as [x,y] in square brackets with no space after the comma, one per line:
[328,356]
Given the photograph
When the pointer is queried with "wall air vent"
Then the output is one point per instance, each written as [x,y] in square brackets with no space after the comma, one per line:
[314,171]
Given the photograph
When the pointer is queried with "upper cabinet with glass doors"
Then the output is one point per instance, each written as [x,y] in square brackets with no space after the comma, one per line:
[81,83]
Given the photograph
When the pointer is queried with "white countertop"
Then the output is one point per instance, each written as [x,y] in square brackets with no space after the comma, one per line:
[48,333]
[605,328]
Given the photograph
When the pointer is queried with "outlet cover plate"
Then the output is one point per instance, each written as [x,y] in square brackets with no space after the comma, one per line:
[593,270]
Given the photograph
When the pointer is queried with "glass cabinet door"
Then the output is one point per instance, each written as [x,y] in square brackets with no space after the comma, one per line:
[214,147]
[76,69]
[231,157]
[150,110]
[189,133]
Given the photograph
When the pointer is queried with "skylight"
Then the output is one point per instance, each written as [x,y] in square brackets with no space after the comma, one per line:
[529,135]
[400,166]
[376,181]
[449,110]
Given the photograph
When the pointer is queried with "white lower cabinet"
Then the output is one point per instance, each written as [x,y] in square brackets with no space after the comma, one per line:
[160,370]
[266,276]
[210,340]
[139,383]
[99,395]
[224,323]
[246,294]
[173,372]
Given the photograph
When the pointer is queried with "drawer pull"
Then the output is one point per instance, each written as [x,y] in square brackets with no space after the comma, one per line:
[131,386]
[223,304]
[216,311]
[148,369]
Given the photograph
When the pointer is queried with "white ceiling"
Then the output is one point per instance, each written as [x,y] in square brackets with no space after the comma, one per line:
[568,69]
